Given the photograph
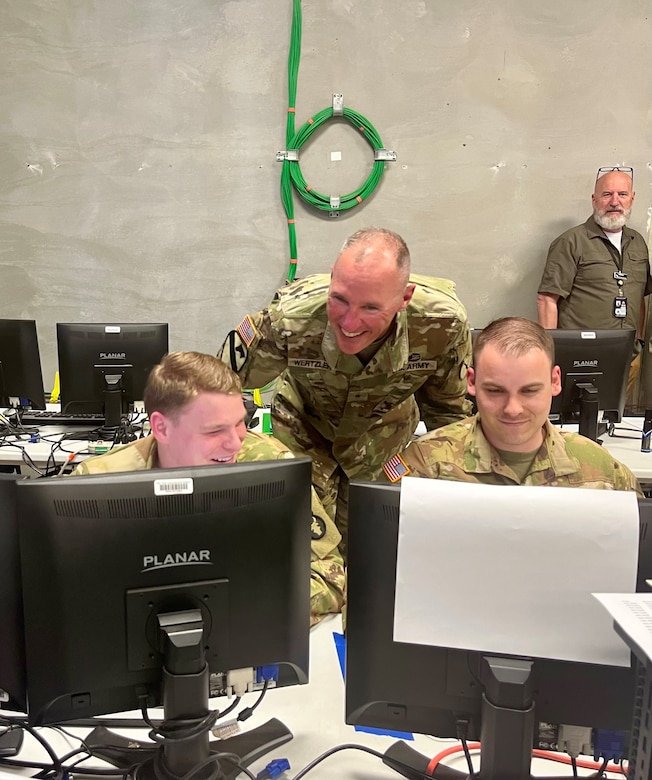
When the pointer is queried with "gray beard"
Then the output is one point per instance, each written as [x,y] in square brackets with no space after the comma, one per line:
[612,223]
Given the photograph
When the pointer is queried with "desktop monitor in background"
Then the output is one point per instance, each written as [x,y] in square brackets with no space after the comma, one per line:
[438,690]
[594,370]
[21,380]
[115,566]
[103,367]
[12,647]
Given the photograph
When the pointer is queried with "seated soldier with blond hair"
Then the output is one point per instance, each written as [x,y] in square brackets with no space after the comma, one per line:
[197,418]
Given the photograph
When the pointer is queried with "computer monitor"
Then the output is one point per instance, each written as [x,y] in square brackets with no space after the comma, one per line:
[117,567]
[594,370]
[12,644]
[103,367]
[21,380]
[438,690]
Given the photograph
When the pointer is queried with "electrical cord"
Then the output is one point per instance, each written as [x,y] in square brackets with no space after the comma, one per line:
[216,757]
[57,767]
[601,768]
[247,712]
[291,174]
[387,760]
[182,730]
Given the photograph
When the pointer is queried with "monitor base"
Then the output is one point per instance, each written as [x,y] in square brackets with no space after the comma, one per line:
[123,752]
[11,742]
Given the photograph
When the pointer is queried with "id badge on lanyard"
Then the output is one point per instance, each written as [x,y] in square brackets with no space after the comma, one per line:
[620,301]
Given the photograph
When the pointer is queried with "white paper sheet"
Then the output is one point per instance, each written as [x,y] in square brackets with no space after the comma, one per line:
[512,569]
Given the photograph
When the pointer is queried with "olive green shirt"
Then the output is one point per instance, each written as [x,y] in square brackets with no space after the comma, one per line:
[580,270]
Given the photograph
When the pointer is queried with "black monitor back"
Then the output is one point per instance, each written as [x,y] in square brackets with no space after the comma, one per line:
[12,642]
[20,363]
[600,358]
[87,349]
[426,689]
[103,554]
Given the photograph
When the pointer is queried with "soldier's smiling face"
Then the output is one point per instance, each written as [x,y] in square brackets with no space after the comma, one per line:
[513,393]
[209,429]
[367,290]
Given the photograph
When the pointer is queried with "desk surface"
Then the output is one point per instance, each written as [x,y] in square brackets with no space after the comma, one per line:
[315,715]
[54,445]
[625,446]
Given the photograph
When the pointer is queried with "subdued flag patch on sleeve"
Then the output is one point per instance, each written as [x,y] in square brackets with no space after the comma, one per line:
[247,330]
[396,468]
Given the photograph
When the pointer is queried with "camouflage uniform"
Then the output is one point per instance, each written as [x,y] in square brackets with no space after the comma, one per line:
[460,452]
[327,583]
[347,416]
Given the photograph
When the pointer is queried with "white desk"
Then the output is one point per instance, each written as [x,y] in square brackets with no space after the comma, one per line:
[625,446]
[315,715]
[52,446]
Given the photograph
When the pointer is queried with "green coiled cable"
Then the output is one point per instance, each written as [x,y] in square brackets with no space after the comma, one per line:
[291,174]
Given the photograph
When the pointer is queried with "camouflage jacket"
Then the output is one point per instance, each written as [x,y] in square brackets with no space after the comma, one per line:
[330,406]
[461,452]
[327,584]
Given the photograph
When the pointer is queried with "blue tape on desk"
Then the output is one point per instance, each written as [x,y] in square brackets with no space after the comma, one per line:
[340,647]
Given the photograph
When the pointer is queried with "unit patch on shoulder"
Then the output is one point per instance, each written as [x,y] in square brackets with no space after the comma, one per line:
[317,528]
[396,468]
[233,352]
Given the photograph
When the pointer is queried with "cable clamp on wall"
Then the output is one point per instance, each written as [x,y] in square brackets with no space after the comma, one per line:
[338,104]
[387,155]
[335,202]
[291,154]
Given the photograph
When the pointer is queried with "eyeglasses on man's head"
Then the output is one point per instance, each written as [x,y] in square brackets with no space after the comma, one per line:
[621,168]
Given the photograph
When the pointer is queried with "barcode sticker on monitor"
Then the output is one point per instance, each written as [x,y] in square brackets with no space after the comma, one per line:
[173,487]
[588,334]
[112,329]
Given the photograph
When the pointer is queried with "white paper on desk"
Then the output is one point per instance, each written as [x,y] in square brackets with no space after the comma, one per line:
[633,613]
[511,569]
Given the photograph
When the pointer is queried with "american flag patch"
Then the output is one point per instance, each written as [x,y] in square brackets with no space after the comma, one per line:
[247,331]
[396,468]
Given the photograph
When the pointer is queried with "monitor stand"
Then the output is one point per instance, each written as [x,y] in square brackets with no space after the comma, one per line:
[506,730]
[112,393]
[589,411]
[185,700]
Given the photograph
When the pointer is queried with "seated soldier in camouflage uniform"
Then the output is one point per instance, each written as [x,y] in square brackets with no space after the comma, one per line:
[197,418]
[361,354]
[510,441]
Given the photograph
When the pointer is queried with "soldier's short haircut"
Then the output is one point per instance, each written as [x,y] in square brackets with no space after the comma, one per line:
[393,241]
[514,336]
[182,376]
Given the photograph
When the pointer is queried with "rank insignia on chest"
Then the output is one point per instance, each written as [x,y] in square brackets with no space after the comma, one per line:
[396,468]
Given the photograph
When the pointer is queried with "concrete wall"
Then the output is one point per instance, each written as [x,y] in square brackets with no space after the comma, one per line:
[138,178]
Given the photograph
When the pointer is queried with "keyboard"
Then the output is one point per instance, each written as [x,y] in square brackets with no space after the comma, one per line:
[47,417]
